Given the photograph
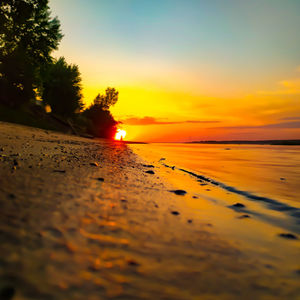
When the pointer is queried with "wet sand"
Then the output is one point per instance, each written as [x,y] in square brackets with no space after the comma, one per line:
[85,219]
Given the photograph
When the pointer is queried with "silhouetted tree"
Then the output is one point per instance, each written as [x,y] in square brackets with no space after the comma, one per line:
[17,78]
[27,36]
[108,99]
[62,88]
[100,122]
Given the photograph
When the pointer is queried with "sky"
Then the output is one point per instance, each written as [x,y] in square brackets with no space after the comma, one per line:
[189,70]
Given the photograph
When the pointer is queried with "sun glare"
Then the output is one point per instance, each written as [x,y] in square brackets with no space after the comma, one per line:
[120,135]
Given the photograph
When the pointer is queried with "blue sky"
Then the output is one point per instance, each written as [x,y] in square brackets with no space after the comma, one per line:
[262,31]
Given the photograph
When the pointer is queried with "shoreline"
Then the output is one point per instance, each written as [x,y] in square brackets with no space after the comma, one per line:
[294,142]
[85,218]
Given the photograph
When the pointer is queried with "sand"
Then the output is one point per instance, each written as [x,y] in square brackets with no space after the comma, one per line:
[83,219]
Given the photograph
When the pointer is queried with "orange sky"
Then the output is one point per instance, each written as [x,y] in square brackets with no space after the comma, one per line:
[193,71]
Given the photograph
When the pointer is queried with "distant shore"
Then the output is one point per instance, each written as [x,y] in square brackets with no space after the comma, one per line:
[258,142]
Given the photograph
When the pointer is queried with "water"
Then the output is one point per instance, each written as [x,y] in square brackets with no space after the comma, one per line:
[262,170]
[265,178]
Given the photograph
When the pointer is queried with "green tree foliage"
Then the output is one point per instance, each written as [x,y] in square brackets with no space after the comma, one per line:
[27,36]
[100,122]
[62,88]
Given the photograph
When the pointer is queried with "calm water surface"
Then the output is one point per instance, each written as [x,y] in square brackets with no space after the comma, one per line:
[264,170]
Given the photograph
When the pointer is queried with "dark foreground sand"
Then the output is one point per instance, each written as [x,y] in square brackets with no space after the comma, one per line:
[81,219]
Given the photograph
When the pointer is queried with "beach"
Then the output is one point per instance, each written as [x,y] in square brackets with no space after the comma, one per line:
[96,219]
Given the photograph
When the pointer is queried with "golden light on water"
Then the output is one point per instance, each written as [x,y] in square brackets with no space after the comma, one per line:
[120,135]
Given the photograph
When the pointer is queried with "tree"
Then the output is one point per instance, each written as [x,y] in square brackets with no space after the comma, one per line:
[28,35]
[100,122]
[105,101]
[62,88]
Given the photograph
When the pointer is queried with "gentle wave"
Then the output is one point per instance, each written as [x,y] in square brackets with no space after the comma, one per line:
[271,203]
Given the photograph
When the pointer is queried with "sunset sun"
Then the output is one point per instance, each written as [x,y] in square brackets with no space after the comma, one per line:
[120,135]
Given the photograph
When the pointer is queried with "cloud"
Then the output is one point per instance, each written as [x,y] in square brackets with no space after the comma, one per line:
[295,124]
[288,87]
[155,121]
[290,119]
[282,125]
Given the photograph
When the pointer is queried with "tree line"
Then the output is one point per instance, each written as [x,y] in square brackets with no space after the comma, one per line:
[28,72]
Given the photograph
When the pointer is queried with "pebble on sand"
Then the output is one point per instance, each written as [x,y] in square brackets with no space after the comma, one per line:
[245,216]
[289,236]
[94,164]
[174,212]
[148,166]
[238,205]
[100,179]
[132,262]
[150,172]
[59,171]
[179,192]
